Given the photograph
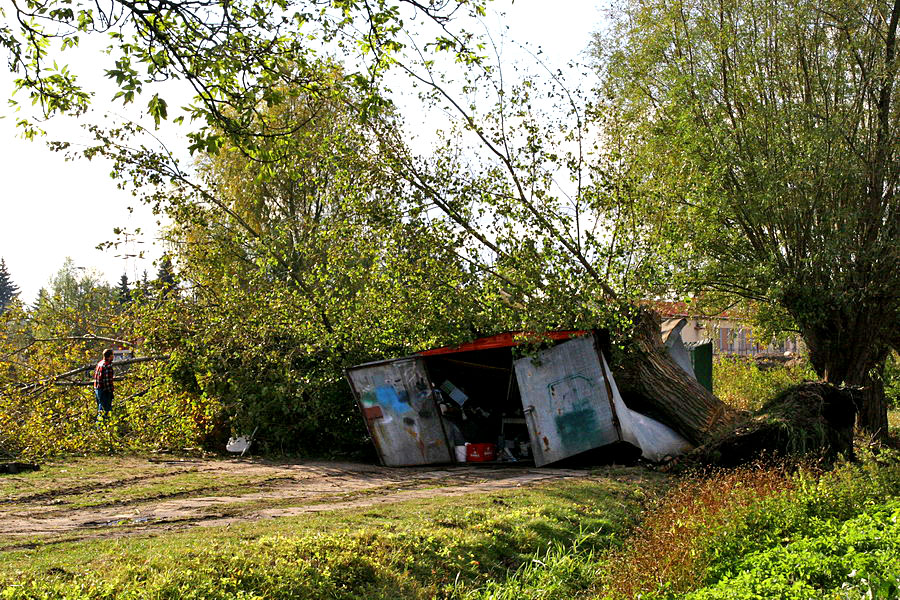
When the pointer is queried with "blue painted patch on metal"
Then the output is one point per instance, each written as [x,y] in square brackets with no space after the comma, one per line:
[390,399]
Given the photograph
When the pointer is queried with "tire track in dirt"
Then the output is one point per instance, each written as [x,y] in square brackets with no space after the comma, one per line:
[62,510]
[90,487]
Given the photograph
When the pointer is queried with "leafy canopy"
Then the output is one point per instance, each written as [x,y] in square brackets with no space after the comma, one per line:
[237,57]
[761,143]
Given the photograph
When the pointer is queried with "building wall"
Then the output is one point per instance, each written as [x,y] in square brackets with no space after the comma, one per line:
[732,337]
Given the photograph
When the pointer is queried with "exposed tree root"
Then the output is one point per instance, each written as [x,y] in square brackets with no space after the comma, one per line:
[809,419]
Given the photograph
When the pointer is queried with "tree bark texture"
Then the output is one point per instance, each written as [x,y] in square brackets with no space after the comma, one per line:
[872,406]
[809,419]
[651,383]
[845,355]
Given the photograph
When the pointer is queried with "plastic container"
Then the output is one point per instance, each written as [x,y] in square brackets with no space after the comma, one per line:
[481,452]
[460,453]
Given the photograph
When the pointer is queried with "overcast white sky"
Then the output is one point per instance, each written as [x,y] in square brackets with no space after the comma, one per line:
[52,209]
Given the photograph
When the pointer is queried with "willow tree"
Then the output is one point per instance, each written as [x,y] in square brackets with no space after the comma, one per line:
[761,141]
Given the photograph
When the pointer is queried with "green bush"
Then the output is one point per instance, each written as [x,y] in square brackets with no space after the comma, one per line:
[836,532]
[831,535]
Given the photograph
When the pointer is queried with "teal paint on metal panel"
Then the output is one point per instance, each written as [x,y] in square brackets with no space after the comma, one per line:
[578,428]
[570,401]
[565,400]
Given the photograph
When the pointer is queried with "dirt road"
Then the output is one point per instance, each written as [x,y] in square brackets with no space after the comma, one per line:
[126,496]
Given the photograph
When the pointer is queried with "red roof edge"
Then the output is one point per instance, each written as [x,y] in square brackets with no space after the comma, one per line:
[504,340]
[668,308]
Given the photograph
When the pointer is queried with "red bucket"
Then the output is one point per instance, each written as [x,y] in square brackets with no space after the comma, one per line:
[481,452]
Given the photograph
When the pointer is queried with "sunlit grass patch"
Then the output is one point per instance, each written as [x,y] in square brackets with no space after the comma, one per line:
[422,548]
[894,421]
[741,383]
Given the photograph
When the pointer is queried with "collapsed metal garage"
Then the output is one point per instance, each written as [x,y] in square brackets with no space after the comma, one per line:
[487,401]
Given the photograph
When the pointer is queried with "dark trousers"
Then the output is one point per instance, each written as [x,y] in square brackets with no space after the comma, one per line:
[104,401]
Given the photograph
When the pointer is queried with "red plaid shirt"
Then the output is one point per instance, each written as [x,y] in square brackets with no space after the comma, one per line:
[103,376]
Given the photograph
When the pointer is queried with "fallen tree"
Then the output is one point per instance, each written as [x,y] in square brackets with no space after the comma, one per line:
[652,383]
[808,419]
[55,379]
[813,418]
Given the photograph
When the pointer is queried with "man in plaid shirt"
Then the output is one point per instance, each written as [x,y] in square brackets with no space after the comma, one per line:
[103,384]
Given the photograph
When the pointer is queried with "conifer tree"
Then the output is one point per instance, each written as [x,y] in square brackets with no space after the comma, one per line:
[123,290]
[165,275]
[8,289]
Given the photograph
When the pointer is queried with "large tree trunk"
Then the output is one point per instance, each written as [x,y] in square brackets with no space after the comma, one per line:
[651,383]
[811,418]
[844,355]
[872,409]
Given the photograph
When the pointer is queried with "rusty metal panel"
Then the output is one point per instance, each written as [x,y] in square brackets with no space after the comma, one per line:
[564,395]
[396,400]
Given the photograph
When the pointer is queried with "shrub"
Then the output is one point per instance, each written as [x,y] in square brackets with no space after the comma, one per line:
[762,533]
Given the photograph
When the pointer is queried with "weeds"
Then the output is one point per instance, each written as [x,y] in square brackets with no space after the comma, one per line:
[764,533]
[740,382]
[670,550]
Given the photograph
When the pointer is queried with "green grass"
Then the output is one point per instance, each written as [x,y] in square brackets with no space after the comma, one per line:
[740,383]
[426,548]
[744,534]
[751,534]
[106,481]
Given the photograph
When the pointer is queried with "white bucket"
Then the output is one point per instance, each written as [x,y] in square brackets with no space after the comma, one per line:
[460,454]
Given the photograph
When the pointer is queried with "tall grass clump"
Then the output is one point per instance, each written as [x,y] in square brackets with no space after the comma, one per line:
[669,551]
[560,571]
[740,382]
[766,533]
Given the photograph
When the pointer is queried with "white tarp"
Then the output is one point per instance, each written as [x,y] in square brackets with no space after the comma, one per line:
[671,335]
[655,440]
